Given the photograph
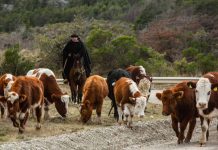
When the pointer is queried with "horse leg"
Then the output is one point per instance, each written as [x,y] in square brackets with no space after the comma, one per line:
[80,94]
[73,92]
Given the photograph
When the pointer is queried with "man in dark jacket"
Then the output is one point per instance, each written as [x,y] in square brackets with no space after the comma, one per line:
[74,47]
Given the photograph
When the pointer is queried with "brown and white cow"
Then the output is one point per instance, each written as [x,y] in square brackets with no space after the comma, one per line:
[52,91]
[25,93]
[6,81]
[130,101]
[206,91]
[142,80]
[94,92]
[179,102]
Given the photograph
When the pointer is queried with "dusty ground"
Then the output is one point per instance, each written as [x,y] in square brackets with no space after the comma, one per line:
[56,125]
[153,132]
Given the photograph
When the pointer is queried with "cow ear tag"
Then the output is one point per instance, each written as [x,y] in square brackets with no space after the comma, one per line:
[190,86]
[215,89]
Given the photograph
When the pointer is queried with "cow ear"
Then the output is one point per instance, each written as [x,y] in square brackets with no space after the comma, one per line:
[214,87]
[137,77]
[158,95]
[87,104]
[179,94]
[54,97]
[132,100]
[3,99]
[22,98]
[191,84]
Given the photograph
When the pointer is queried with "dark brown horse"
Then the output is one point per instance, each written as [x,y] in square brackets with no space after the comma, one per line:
[77,78]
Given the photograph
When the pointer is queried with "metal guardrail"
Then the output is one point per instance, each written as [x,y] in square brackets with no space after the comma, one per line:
[172,80]
[160,80]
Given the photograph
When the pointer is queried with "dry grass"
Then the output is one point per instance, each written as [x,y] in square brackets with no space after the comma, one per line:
[56,125]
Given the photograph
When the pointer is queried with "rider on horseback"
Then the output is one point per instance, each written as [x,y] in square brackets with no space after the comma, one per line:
[74,47]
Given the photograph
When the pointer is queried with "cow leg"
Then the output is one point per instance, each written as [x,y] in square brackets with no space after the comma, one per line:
[120,113]
[175,127]
[183,126]
[192,124]
[22,118]
[126,115]
[15,123]
[46,115]
[98,110]
[38,111]
[204,128]
[207,136]
[2,111]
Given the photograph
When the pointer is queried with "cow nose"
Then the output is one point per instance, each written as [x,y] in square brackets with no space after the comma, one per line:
[141,116]
[202,104]
[164,113]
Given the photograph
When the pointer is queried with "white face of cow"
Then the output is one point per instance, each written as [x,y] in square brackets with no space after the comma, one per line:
[140,106]
[12,97]
[65,99]
[144,86]
[202,92]
[8,87]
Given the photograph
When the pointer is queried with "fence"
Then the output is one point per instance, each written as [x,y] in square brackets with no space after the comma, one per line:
[161,80]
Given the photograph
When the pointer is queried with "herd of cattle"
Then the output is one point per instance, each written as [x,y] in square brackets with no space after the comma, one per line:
[129,90]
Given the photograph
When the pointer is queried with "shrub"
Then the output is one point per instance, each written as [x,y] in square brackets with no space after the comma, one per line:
[14,63]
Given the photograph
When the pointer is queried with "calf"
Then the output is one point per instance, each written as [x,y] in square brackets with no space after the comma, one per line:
[52,91]
[112,77]
[25,93]
[6,81]
[94,92]
[179,102]
[129,100]
[142,80]
[206,100]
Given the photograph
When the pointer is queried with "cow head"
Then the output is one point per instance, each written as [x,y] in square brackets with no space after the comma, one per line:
[86,111]
[144,86]
[140,104]
[169,100]
[61,103]
[202,91]
[7,87]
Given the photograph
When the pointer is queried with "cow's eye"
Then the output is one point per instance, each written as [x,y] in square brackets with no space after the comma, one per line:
[196,91]
[208,93]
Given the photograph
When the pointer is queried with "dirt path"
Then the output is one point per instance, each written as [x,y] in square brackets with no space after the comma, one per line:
[145,135]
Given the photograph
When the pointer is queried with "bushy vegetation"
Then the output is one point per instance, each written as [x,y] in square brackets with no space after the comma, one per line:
[14,63]
[167,37]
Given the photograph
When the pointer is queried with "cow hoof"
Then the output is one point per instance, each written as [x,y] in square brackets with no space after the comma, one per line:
[180,141]
[15,124]
[21,130]
[187,141]
[125,122]
[129,126]
[119,123]
[38,127]
[202,142]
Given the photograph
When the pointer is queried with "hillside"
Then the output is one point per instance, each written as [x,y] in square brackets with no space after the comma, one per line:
[181,36]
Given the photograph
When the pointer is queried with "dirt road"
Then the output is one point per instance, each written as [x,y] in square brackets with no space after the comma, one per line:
[144,135]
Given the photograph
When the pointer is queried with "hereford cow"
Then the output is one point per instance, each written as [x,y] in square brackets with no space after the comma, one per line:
[52,91]
[25,93]
[179,102]
[94,92]
[6,81]
[142,80]
[206,101]
[112,77]
[129,100]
